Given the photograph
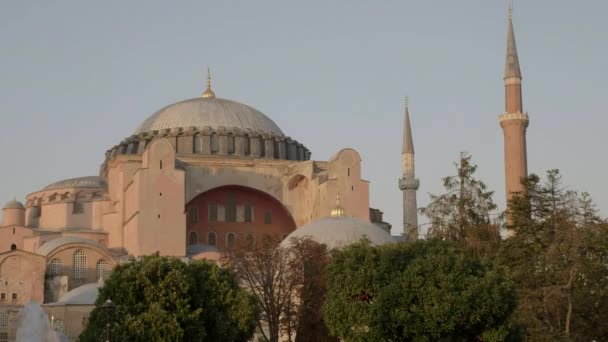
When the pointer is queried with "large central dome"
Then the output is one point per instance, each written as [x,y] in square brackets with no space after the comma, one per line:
[209,112]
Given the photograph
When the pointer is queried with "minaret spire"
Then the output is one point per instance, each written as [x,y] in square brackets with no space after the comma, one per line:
[408,143]
[208,92]
[512,63]
[408,182]
[514,121]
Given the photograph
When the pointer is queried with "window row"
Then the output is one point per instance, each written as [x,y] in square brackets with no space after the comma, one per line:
[77,208]
[79,270]
[230,239]
[231,212]
[4,296]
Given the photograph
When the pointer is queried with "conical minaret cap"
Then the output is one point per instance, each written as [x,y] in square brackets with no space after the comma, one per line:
[408,141]
[512,63]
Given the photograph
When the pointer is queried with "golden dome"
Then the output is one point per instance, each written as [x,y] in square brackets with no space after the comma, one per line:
[208,94]
[338,211]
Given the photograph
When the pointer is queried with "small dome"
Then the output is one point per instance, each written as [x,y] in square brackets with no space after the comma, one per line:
[14,204]
[80,182]
[339,232]
[82,295]
[209,112]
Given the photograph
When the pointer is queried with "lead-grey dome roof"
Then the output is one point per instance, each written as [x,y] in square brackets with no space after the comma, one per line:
[80,182]
[14,204]
[211,112]
[339,232]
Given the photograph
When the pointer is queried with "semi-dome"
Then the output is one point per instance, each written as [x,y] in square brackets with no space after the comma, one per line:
[14,204]
[209,112]
[339,232]
[82,295]
[80,182]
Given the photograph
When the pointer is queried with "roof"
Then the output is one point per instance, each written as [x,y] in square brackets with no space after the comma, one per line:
[82,295]
[14,204]
[80,182]
[512,63]
[209,112]
[408,142]
[339,232]
[52,245]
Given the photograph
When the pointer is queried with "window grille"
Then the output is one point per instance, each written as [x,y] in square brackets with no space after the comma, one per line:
[78,208]
[214,143]
[213,212]
[230,144]
[231,209]
[248,213]
[211,239]
[197,143]
[192,215]
[193,238]
[55,267]
[80,264]
[230,240]
[59,325]
[267,217]
[3,319]
[103,269]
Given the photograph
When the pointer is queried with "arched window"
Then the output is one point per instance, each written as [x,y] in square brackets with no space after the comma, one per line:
[13,247]
[230,240]
[215,146]
[58,325]
[192,215]
[193,238]
[250,240]
[231,209]
[80,265]
[212,212]
[230,144]
[55,267]
[276,149]
[197,144]
[247,146]
[211,239]
[248,213]
[103,269]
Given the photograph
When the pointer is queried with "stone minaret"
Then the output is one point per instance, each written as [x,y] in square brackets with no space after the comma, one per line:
[514,121]
[408,183]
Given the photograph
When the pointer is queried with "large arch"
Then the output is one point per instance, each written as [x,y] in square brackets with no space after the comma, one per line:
[240,210]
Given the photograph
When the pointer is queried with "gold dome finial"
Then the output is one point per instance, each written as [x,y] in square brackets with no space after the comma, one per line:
[338,211]
[208,93]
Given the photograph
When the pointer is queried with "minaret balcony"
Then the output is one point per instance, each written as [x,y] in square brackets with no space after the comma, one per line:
[409,183]
[514,116]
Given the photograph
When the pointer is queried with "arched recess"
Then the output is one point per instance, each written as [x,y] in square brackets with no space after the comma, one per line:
[299,196]
[217,215]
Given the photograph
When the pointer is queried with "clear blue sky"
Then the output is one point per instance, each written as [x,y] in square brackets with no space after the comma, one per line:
[76,77]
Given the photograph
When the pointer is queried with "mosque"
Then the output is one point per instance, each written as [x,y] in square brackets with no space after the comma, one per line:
[195,179]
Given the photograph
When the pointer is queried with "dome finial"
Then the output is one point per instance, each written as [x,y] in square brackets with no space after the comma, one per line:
[338,211]
[209,93]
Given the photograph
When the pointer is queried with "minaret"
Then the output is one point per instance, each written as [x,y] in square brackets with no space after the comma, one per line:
[408,182]
[514,121]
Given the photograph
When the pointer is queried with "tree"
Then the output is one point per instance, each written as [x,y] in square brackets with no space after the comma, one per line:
[288,284]
[463,212]
[422,291]
[558,257]
[164,299]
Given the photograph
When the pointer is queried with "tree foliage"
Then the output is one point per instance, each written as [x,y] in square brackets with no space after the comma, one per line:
[423,291]
[558,256]
[165,299]
[463,212]
[288,284]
